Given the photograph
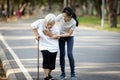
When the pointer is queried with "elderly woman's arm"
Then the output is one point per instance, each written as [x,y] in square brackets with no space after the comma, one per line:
[37,36]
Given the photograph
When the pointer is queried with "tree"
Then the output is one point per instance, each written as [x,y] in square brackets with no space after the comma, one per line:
[0,7]
[98,7]
[118,7]
[49,4]
[112,9]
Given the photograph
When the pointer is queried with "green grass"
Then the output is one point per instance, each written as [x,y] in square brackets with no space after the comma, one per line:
[88,20]
[94,22]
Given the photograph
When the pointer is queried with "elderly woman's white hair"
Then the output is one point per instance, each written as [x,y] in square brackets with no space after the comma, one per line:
[50,18]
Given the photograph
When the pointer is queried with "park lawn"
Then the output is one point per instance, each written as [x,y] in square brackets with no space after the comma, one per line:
[94,22]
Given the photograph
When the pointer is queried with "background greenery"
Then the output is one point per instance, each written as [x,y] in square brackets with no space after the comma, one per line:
[87,11]
[94,22]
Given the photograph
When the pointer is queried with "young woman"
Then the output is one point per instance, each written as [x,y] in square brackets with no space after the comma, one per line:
[68,22]
[48,45]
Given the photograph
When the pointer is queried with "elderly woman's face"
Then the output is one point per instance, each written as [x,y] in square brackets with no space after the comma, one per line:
[49,25]
[66,17]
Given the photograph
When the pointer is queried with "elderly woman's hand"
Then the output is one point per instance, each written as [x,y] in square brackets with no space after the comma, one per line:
[37,38]
[47,32]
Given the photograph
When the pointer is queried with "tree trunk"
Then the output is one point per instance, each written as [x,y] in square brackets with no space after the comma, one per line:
[98,8]
[8,8]
[112,5]
[0,8]
[49,4]
[91,7]
[106,8]
[69,3]
[118,9]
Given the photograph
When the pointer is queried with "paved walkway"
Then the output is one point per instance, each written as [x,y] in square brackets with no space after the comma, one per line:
[96,53]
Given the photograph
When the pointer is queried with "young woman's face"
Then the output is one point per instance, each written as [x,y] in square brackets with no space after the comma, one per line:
[49,25]
[66,17]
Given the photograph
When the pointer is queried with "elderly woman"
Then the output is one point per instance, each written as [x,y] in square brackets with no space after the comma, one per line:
[42,29]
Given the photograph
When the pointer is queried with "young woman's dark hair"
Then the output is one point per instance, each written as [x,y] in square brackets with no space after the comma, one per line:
[71,13]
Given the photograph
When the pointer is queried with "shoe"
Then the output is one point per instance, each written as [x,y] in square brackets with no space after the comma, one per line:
[73,78]
[63,76]
[50,77]
[47,78]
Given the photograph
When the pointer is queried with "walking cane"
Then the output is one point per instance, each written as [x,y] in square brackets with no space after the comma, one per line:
[38,62]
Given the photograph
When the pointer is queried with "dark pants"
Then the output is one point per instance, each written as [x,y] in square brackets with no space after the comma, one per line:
[49,59]
[70,41]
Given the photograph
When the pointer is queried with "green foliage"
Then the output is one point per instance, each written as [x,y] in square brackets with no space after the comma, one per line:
[94,22]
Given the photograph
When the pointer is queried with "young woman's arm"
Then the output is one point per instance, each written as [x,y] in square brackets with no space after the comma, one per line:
[67,34]
[50,34]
